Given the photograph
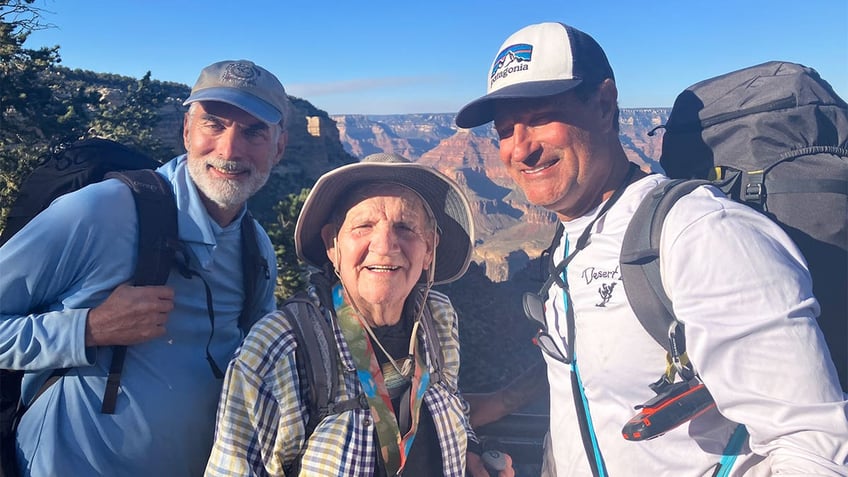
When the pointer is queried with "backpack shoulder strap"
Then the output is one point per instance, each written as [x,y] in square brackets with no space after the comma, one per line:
[434,345]
[640,264]
[11,411]
[157,245]
[157,224]
[254,270]
[315,335]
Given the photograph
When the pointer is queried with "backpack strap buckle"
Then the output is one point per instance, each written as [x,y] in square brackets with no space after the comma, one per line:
[754,187]
[677,356]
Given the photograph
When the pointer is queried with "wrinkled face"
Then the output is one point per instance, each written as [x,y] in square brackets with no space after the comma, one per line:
[384,243]
[553,148]
[230,155]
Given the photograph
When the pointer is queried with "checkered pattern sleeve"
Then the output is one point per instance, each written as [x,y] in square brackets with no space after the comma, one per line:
[260,422]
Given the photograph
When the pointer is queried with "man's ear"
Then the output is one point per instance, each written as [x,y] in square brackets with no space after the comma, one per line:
[282,142]
[328,235]
[186,141]
[608,102]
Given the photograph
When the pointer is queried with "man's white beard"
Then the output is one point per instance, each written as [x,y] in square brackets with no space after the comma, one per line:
[226,193]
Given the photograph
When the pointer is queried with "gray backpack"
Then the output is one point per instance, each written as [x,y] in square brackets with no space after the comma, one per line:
[772,136]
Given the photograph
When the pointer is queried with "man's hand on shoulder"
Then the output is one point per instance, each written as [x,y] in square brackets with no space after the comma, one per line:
[129,315]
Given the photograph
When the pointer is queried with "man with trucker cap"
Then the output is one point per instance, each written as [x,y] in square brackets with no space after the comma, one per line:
[736,280]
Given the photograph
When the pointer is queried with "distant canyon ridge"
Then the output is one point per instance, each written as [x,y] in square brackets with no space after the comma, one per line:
[510,232]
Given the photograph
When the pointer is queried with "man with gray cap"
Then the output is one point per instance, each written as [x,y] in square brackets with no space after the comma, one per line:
[736,280]
[66,301]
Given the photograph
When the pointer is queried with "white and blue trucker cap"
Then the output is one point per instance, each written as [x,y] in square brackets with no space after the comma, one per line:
[539,60]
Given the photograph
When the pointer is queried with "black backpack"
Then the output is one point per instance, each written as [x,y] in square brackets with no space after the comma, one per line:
[318,351]
[82,163]
[772,136]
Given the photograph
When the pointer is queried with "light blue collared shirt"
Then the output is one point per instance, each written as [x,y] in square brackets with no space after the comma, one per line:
[67,261]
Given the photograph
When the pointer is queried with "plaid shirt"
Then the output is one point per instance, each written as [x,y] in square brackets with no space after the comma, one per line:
[262,415]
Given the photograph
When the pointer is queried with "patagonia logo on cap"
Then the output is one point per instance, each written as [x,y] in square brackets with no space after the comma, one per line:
[537,61]
[509,60]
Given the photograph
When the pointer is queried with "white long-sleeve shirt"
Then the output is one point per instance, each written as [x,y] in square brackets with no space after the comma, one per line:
[741,287]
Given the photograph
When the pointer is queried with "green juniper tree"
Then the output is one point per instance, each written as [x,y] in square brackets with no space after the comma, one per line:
[35,116]
[290,277]
[44,106]
[132,120]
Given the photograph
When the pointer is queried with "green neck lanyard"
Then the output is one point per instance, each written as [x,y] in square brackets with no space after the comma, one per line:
[394,449]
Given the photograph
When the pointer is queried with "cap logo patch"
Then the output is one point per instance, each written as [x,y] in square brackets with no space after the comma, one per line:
[511,59]
[240,75]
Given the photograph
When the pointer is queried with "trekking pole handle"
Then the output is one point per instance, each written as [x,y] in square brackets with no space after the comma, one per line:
[494,461]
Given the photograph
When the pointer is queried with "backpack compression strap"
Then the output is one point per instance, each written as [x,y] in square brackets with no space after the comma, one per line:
[157,245]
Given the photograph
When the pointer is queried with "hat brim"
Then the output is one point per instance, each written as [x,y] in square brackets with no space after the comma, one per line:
[482,110]
[448,203]
[247,102]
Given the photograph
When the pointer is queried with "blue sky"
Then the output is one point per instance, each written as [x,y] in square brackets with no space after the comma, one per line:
[391,57]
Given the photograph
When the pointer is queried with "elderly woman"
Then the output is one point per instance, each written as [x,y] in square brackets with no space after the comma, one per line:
[381,232]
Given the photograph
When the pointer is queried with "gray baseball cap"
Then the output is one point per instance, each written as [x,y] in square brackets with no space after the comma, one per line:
[244,85]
